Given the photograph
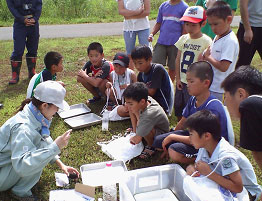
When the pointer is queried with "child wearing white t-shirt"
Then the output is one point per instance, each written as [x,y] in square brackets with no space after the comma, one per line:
[223,52]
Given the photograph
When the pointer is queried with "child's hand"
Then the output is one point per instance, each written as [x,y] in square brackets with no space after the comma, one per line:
[62,83]
[150,38]
[191,170]
[135,140]
[108,85]
[100,72]
[179,84]
[166,141]
[202,167]
[81,73]
[207,53]
[123,86]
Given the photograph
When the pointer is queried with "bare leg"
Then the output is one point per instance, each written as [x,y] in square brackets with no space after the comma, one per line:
[131,63]
[102,86]
[179,158]
[88,86]
[172,74]
[150,137]
[258,158]
[122,111]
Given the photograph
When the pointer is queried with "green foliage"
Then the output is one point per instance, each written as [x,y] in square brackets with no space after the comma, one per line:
[78,11]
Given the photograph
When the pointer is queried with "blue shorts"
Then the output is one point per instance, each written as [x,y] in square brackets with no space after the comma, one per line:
[185,149]
[130,39]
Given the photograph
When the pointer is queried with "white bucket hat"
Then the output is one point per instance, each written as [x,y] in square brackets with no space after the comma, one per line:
[51,92]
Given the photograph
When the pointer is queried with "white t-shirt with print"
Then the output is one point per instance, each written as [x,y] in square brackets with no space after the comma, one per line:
[225,48]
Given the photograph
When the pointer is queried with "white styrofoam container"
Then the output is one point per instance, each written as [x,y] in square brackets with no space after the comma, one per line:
[158,195]
[155,178]
[95,174]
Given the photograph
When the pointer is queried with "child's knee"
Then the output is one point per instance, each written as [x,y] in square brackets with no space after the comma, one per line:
[176,156]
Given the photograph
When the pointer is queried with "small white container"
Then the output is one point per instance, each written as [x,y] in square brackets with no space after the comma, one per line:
[94,174]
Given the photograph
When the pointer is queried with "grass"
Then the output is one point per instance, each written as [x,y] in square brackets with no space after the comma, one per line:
[82,148]
[80,11]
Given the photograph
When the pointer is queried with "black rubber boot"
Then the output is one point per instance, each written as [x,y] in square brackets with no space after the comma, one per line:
[31,63]
[16,66]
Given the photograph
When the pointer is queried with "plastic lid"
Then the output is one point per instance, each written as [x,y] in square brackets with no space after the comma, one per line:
[108,164]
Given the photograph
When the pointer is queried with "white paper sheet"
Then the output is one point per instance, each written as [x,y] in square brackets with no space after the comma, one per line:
[68,195]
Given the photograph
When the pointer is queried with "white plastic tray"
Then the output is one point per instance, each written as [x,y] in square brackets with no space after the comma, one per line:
[74,110]
[84,120]
[96,174]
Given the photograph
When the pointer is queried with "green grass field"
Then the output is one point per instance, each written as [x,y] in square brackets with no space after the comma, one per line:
[82,148]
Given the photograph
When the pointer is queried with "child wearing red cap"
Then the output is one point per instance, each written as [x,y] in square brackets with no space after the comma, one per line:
[189,46]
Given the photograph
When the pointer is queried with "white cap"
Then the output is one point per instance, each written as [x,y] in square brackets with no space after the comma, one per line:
[194,14]
[51,92]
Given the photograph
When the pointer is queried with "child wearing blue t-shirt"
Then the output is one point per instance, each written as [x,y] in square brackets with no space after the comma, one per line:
[176,143]
[170,28]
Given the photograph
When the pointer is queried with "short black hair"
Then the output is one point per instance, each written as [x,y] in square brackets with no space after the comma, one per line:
[219,9]
[204,121]
[246,77]
[95,46]
[141,52]
[202,70]
[136,91]
[52,58]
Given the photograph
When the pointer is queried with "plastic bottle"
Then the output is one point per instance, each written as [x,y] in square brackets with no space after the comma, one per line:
[105,120]
[109,188]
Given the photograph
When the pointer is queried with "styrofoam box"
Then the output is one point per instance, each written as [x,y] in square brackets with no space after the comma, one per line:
[96,174]
[158,195]
[169,177]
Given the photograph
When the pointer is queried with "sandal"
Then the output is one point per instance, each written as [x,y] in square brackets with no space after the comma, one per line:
[147,153]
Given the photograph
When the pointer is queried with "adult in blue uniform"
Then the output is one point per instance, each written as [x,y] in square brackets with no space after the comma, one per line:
[25,34]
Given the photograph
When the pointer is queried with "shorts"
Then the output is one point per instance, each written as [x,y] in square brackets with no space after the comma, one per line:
[181,99]
[187,150]
[165,55]
[130,39]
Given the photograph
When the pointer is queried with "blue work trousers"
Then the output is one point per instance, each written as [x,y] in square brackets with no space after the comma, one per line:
[25,36]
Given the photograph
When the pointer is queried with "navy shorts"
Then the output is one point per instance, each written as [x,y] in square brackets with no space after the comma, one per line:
[187,150]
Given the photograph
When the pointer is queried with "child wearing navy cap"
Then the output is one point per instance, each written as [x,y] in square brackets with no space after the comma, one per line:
[119,79]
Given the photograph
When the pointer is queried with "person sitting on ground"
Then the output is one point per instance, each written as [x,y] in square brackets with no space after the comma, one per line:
[53,64]
[233,171]
[119,79]
[147,116]
[25,143]
[223,52]
[243,97]
[160,87]
[189,46]
[176,143]
[95,73]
